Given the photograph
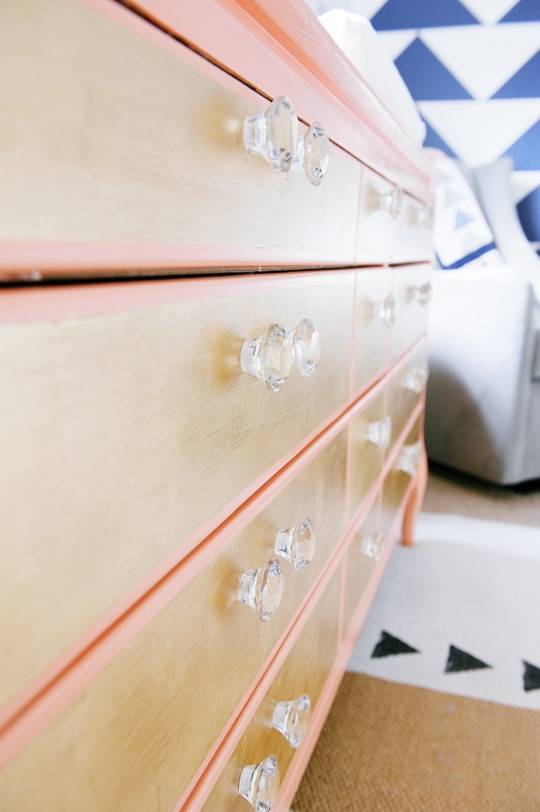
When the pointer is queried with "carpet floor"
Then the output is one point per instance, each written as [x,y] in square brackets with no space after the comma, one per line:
[440,707]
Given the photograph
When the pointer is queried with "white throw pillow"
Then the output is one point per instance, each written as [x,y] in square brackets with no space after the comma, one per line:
[461,234]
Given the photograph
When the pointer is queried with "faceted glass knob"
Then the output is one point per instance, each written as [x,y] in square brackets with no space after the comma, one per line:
[416,378]
[306,344]
[379,432]
[262,589]
[297,544]
[421,293]
[269,357]
[372,546]
[259,784]
[274,134]
[316,153]
[408,459]
[385,311]
[392,201]
[292,719]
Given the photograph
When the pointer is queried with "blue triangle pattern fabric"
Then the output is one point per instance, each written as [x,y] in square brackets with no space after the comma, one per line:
[462,218]
[529,214]
[525,84]
[433,139]
[525,152]
[426,76]
[523,12]
[396,14]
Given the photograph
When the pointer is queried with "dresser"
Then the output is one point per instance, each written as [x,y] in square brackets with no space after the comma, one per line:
[215,246]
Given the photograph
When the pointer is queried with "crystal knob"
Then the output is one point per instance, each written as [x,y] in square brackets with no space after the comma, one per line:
[274,134]
[416,378]
[371,546]
[262,589]
[378,433]
[306,345]
[292,719]
[297,544]
[259,784]
[421,293]
[392,201]
[268,357]
[424,216]
[408,459]
[316,153]
[385,310]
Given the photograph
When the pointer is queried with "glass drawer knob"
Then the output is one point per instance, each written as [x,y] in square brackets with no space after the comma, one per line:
[408,459]
[392,201]
[385,310]
[259,784]
[269,357]
[297,544]
[306,345]
[416,378]
[378,433]
[262,589]
[424,216]
[371,546]
[316,153]
[421,293]
[292,719]
[274,134]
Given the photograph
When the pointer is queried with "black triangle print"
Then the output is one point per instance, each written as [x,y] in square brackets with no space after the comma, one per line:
[459,660]
[388,645]
[531,677]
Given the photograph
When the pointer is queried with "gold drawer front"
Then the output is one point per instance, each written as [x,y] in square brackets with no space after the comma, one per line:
[398,480]
[145,138]
[412,293]
[413,232]
[361,559]
[122,434]
[369,439]
[133,739]
[376,225]
[373,321]
[407,388]
[304,673]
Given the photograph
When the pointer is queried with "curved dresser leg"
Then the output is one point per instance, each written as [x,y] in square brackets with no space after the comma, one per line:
[412,508]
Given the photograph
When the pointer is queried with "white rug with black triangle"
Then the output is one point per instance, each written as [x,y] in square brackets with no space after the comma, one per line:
[459,612]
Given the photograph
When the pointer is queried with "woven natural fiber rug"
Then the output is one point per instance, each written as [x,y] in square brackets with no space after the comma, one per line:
[388,747]
[440,710]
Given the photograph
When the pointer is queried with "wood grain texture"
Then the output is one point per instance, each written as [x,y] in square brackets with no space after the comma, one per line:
[383,238]
[134,737]
[358,567]
[411,316]
[305,672]
[123,434]
[396,483]
[372,335]
[366,457]
[113,133]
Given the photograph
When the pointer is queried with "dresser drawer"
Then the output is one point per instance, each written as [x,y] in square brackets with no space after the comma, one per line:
[374,312]
[141,729]
[377,228]
[370,437]
[413,240]
[399,478]
[412,293]
[362,556]
[406,388]
[304,674]
[124,151]
[127,435]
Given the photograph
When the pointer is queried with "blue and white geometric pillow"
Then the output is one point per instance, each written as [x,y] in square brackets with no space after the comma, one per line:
[462,236]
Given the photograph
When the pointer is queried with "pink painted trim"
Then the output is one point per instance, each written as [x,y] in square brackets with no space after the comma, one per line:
[66,676]
[209,771]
